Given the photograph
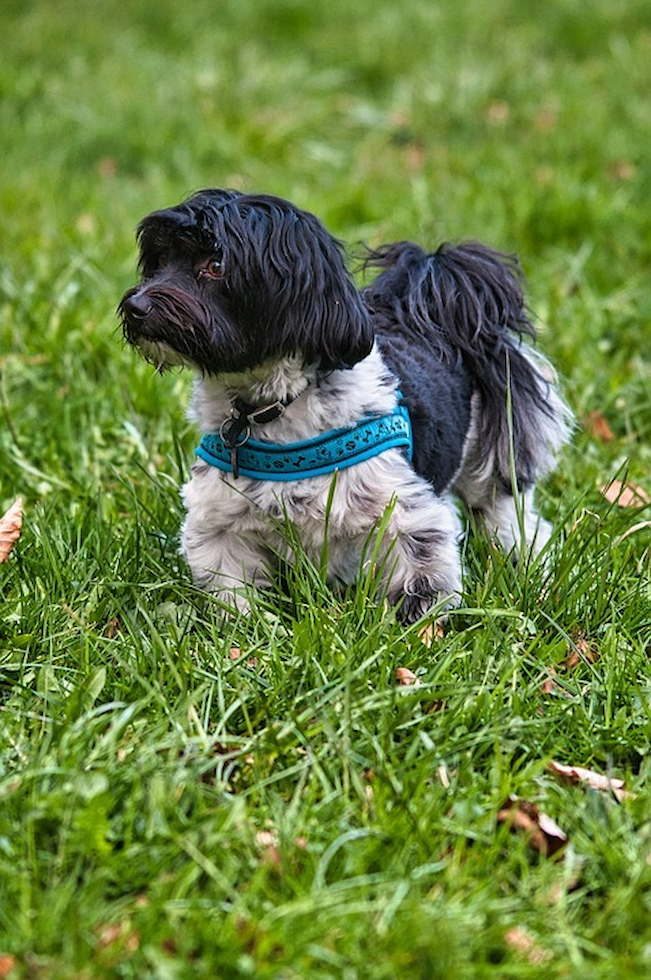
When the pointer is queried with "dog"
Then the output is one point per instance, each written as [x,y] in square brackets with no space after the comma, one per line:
[339,408]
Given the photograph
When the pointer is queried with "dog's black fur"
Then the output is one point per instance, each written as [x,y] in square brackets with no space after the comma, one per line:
[283,287]
[234,283]
[462,308]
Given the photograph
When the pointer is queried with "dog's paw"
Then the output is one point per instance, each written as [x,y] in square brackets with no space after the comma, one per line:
[420,596]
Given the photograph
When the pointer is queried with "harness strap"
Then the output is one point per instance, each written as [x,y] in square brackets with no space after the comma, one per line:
[233,451]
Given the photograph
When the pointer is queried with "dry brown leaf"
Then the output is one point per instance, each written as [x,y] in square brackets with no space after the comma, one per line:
[406,677]
[436,705]
[544,834]
[582,652]
[549,685]
[109,934]
[521,941]
[235,653]
[120,935]
[113,627]
[7,964]
[597,425]
[577,775]
[624,494]
[429,634]
[11,525]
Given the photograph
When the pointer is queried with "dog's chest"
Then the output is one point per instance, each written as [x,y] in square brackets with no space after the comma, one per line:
[243,504]
[348,509]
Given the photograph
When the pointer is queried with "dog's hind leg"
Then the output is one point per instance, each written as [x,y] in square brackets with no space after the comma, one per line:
[515,522]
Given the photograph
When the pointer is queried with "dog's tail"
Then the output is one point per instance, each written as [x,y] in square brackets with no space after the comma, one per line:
[467,300]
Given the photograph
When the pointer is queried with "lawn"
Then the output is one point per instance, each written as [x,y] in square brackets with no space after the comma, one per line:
[274,796]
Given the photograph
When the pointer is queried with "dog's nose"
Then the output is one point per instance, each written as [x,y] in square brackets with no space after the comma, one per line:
[137,306]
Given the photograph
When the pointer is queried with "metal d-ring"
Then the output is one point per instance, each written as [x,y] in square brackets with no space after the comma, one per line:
[241,438]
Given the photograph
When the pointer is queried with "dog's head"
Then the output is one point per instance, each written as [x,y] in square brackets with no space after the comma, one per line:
[231,280]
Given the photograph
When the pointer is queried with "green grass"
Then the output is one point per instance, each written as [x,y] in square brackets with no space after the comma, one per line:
[168,810]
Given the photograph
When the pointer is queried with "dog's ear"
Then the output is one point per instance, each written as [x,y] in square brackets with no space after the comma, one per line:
[290,275]
[326,317]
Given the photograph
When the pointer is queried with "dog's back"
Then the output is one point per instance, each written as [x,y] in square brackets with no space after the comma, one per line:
[451,326]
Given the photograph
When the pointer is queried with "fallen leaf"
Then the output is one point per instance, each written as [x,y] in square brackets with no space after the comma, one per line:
[578,775]
[431,633]
[549,685]
[7,964]
[544,834]
[113,627]
[10,527]
[582,652]
[624,494]
[436,705]
[406,677]
[522,942]
[235,653]
[120,935]
[597,425]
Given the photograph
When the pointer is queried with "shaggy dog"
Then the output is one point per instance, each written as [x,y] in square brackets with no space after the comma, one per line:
[332,406]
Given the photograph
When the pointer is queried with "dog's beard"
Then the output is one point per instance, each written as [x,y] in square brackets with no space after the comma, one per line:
[161,355]
[179,330]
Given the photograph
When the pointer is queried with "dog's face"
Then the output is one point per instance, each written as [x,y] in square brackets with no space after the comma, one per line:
[231,280]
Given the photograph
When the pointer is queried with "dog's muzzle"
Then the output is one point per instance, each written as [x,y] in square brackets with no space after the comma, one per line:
[138,306]
[134,310]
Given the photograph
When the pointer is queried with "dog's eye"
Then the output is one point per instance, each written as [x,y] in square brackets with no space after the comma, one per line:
[213,268]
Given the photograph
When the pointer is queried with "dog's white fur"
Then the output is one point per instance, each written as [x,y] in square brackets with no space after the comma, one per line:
[228,536]
[254,295]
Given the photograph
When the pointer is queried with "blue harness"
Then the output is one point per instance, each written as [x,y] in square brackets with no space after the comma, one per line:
[331,451]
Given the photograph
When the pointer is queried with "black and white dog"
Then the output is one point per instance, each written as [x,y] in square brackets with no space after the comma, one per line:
[416,387]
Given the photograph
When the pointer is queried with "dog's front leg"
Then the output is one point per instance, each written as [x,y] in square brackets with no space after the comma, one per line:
[225,563]
[423,564]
